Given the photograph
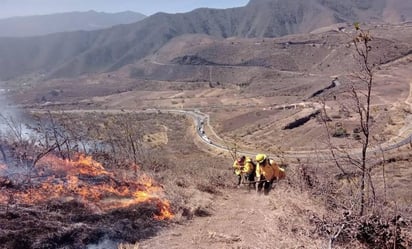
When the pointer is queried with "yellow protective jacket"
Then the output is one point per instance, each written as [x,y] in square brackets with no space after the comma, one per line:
[246,167]
[270,171]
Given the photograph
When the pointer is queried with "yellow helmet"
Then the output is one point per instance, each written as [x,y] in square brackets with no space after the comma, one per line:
[260,158]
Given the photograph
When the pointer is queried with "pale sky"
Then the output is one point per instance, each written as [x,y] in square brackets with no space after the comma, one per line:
[9,8]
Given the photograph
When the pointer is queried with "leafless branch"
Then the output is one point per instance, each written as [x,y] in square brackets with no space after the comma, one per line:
[335,236]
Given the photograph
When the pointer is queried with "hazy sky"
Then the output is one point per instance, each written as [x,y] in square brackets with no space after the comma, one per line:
[10,8]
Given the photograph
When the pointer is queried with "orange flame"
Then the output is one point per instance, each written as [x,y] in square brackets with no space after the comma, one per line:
[88,181]
[83,165]
[165,211]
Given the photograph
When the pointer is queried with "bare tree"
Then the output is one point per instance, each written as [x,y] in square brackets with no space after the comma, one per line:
[56,134]
[232,148]
[361,91]
[15,126]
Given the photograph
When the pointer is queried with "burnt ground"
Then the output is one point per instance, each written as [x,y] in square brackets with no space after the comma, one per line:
[71,224]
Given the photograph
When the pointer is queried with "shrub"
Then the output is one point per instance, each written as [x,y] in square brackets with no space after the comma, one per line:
[340,132]
[356,136]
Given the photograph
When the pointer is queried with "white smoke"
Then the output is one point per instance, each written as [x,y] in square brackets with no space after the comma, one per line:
[13,128]
[13,124]
[104,244]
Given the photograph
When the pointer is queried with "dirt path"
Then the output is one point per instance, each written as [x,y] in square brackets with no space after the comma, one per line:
[243,219]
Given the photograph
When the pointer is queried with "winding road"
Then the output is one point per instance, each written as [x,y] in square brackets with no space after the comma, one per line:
[201,119]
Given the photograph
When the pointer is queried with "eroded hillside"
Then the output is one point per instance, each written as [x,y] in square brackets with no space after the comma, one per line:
[76,53]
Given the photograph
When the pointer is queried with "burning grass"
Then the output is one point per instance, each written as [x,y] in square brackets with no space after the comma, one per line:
[78,202]
[59,203]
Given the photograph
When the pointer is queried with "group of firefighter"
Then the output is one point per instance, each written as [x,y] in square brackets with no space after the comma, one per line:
[259,174]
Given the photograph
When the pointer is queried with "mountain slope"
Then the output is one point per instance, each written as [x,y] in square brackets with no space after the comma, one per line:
[70,54]
[72,21]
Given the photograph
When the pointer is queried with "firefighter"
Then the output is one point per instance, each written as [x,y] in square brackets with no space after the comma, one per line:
[267,171]
[244,168]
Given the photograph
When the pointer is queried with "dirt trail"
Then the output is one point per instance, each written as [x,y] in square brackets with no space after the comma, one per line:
[242,219]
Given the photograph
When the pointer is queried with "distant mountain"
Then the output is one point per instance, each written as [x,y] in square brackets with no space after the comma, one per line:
[63,22]
[75,53]
[269,18]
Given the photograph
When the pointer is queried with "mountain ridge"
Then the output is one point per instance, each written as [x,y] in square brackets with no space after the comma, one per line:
[37,25]
[112,48]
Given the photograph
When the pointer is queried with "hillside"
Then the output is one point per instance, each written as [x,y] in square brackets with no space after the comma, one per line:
[64,22]
[255,95]
[239,79]
[75,53]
